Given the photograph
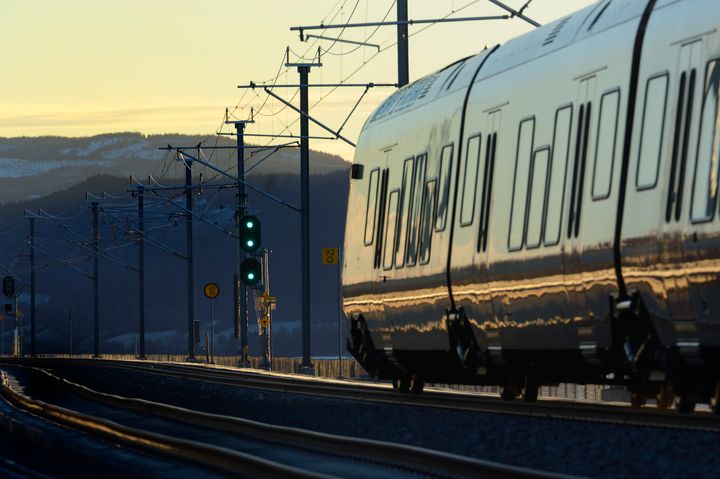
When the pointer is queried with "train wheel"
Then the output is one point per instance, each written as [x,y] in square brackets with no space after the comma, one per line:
[509,393]
[715,401]
[417,385]
[530,393]
[684,403]
[637,400]
[403,385]
[531,389]
[665,397]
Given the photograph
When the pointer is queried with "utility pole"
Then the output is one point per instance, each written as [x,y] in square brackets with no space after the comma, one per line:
[268,305]
[402,43]
[70,313]
[32,287]
[189,254]
[239,289]
[141,268]
[305,217]
[96,278]
[304,70]
[305,118]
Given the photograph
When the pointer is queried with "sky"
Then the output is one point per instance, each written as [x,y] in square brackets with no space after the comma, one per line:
[84,67]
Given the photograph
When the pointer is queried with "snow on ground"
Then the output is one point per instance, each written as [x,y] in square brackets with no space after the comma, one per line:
[17,168]
[92,147]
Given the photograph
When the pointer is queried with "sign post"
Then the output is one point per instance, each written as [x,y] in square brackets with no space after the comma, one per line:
[332,256]
[212,291]
[8,288]
[70,329]
[267,304]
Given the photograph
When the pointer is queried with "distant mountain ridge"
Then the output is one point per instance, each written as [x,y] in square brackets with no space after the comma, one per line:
[33,167]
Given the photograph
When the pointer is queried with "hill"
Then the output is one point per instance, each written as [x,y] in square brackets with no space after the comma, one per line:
[32,167]
[63,292]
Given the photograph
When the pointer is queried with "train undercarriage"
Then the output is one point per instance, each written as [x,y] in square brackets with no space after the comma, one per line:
[636,360]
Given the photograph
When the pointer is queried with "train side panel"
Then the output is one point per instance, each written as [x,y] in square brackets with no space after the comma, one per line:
[671,242]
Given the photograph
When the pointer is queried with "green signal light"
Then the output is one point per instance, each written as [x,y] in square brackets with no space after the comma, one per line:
[251,272]
[250,233]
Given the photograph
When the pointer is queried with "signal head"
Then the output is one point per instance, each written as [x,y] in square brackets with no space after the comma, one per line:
[250,233]
[250,272]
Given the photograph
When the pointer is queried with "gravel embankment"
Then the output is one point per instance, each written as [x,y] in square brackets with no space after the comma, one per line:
[570,447]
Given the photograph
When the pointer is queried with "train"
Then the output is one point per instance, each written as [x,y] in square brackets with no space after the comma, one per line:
[546,211]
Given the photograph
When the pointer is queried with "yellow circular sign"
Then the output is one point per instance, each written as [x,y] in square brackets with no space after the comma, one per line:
[212,290]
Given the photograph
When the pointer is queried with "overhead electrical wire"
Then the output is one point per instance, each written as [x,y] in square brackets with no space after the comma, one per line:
[382,49]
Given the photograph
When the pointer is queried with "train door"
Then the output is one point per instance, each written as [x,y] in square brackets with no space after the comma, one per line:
[481,309]
[384,221]
[577,305]
[675,224]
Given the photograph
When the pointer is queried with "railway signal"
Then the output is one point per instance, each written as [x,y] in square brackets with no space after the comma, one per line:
[9,286]
[250,233]
[250,272]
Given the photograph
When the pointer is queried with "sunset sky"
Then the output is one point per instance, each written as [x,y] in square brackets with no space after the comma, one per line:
[82,67]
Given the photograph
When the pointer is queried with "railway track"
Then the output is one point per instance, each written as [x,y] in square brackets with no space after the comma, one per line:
[377,392]
[233,445]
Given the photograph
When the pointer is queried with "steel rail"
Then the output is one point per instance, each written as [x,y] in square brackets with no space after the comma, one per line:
[375,392]
[395,455]
[212,456]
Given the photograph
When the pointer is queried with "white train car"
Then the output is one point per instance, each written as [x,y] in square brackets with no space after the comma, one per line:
[545,211]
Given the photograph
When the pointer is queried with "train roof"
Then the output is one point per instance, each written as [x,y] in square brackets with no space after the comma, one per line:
[522,49]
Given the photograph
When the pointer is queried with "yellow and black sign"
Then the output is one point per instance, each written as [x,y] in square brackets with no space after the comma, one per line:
[330,255]
[212,290]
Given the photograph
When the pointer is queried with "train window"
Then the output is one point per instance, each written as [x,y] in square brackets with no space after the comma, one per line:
[605,145]
[444,187]
[382,203]
[415,210]
[426,221]
[558,171]
[705,184]
[371,209]
[578,177]
[390,230]
[651,133]
[676,146]
[470,174]
[405,204]
[685,145]
[536,197]
[487,191]
[526,134]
